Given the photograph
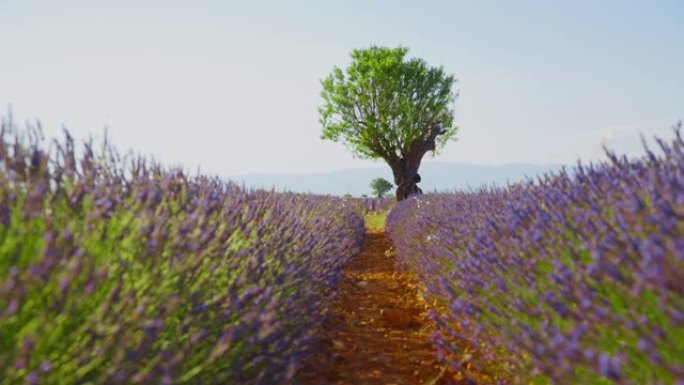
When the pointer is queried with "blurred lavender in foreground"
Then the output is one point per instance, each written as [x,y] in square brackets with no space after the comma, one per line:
[122,271]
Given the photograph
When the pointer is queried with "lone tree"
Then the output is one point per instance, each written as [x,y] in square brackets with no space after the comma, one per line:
[380,187]
[387,106]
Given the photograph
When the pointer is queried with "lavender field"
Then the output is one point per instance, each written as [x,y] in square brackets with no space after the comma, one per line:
[115,269]
[118,270]
[386,193]
[576,278]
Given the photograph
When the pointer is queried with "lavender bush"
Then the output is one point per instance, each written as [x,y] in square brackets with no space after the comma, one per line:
[577,278]
[370,205]
[122,271]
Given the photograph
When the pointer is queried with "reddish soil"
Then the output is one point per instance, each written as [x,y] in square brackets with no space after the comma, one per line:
[379,331]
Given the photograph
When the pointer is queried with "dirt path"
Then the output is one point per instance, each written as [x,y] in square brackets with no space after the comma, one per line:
[379,332]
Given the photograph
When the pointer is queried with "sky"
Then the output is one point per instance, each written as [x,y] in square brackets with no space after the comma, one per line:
[232,87]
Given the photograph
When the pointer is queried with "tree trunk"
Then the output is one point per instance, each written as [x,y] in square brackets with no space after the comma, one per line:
[405,190]
[406,176]
[405,169]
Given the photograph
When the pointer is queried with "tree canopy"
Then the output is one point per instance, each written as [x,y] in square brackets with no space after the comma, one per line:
[387,106]
[380,187]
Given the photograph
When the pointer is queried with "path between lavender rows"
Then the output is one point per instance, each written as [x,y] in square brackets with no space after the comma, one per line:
[379,331]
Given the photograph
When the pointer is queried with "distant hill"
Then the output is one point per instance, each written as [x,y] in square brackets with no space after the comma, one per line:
[440,176]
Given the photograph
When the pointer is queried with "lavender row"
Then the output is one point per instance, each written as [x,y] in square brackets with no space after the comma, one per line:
[371,205]
[574,278]
[117,270]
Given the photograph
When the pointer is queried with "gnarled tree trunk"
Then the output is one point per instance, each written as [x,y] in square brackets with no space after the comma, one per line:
[406,178]
[405,169]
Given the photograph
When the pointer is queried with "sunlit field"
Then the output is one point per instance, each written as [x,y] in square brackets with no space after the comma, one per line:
[576,278]
[357,192]
[123,271]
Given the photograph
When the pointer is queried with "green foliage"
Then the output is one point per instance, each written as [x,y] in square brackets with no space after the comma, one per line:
[375,220]
[116,272]
[380,187]
[384,103]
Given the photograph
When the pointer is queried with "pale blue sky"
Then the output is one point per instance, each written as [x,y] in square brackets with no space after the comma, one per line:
[233,86]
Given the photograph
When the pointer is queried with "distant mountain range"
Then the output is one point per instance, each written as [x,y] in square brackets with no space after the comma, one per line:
[439,176]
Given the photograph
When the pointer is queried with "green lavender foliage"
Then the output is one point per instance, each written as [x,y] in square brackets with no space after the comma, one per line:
[577,278]
[118,270]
